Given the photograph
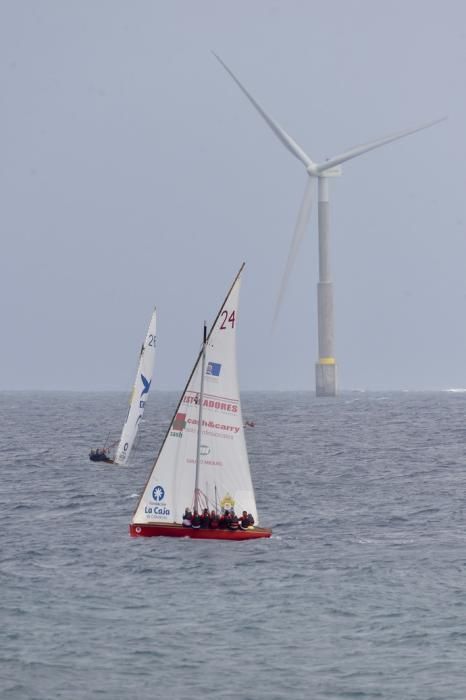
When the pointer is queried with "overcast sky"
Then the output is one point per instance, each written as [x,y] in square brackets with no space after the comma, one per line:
[133,172]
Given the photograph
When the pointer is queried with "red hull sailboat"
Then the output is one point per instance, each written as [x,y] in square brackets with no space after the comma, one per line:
[201,474]
[175,530]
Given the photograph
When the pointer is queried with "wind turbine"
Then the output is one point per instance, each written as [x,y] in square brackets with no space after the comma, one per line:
[326,369]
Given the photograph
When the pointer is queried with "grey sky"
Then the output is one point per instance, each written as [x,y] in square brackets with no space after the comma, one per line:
[133,172]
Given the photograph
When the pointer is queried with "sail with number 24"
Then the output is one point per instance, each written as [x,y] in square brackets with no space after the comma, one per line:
[203,465]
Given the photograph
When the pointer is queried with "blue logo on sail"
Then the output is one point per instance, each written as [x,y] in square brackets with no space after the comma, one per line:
[158,493]
[213,369]
[146,386]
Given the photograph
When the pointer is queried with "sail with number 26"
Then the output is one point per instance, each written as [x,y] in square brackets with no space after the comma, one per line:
[141,387]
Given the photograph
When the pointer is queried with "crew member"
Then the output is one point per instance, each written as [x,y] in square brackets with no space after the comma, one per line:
[195,521]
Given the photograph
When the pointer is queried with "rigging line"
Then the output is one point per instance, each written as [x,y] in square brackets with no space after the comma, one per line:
[106,439]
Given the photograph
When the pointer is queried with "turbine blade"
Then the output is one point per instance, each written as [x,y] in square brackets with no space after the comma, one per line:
[285,138]
[301,225]
[359,150]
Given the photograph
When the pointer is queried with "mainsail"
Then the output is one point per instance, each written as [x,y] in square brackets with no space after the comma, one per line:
[224,475]
[139,394]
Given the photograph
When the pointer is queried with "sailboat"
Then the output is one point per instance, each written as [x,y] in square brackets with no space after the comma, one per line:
[137,403]
[203,462]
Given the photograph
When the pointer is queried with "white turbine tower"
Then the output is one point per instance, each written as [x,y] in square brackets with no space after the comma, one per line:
[326,374]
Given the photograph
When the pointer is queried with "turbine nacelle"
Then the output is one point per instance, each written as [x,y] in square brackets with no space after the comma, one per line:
[319,170]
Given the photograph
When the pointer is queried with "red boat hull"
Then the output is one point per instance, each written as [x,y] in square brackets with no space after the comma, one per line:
[174,530]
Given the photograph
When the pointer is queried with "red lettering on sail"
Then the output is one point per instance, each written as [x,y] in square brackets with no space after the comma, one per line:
[227,318]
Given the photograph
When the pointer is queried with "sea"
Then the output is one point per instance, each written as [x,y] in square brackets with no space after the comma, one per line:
[360,593]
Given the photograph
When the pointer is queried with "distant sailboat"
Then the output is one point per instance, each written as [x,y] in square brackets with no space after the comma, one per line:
[137,404]
[203,462]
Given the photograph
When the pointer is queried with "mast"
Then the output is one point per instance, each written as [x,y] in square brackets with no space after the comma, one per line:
[199,425]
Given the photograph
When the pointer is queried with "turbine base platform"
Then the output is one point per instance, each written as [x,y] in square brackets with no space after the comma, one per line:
[326,377]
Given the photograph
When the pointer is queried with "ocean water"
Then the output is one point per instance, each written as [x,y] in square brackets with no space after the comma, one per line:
[360,593]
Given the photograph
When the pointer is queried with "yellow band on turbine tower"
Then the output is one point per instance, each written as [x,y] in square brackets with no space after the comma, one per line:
[327,361]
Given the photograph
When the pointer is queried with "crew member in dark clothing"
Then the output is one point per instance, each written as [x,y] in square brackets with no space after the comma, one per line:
[234,524]
[205,519]
[225,520]
[195,521]
[214,520]
[244,520]
[100,456]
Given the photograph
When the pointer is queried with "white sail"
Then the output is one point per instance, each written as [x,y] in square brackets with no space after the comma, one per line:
[139,394]
[224,475]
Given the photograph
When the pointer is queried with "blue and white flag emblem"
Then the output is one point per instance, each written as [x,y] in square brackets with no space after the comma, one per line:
[213,369]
